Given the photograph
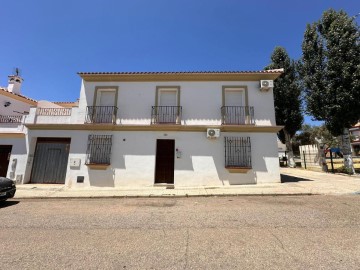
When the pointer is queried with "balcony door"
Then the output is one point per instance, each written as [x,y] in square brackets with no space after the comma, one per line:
[168,106]
[105,98]
[234,97]
[104,109]
[168,98]
[234,110]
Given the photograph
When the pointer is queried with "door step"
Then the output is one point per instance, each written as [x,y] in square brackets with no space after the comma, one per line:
[167,186]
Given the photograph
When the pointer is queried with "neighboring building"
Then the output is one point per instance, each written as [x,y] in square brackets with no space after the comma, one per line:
[14,145]
[355,136]
[146,128]
[13,109]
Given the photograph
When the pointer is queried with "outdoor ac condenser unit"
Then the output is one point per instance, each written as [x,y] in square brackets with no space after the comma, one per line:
[213,133]
[266,85]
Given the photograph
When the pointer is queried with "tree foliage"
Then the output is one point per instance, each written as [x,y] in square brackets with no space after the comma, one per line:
[287,93]
[331,70]
[312,134]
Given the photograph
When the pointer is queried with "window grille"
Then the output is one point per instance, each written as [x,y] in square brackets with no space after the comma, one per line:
[237,152]
[99,149]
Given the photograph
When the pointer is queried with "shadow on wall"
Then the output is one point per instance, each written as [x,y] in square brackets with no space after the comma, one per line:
[206,165]
[259,156]
[200,162]
[102,178]
[184,162]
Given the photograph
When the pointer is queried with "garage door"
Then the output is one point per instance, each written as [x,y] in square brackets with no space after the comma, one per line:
[50,160]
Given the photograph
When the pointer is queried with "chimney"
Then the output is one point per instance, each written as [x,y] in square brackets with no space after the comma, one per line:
[15,82]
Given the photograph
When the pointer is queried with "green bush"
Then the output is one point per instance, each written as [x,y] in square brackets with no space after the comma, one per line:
[343,169]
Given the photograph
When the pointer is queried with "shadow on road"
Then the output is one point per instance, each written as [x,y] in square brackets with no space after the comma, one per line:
[8,203]
[291,179]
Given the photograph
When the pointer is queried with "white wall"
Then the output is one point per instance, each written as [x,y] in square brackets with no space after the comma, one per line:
[133,153]
[201,101]
[201,164]
[16,105]
[18,153]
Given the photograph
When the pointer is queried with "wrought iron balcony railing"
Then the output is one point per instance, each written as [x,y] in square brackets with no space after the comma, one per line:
[101,114]
[237,115]
[10,118]
[53,111]
[166,115]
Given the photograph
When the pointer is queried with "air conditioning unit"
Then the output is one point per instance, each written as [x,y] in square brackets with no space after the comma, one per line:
[265,85]
[213,133]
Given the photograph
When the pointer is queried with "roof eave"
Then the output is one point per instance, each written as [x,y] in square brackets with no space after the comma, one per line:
[253,76]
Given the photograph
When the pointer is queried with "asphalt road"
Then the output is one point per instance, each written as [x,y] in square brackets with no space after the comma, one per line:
[313,232]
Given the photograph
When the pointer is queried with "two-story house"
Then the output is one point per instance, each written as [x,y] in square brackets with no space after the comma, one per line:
[14,111]
[158,128]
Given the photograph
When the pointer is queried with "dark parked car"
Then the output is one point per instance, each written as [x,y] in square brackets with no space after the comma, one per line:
[7,188]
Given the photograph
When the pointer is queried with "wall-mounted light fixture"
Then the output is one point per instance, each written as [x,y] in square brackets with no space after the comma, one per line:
[7,103]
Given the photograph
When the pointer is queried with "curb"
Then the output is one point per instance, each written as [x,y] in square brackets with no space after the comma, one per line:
[171,196]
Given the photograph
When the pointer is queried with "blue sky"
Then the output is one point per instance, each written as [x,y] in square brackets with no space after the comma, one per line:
[50,41]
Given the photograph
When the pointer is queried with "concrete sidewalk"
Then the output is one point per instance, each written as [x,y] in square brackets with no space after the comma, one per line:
[295,182]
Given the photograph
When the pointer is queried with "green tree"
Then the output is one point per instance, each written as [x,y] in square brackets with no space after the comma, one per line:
[331,74]
[287,99]
[312,134]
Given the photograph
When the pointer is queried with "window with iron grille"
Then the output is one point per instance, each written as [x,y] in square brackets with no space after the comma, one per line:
[99,149]
[237,152]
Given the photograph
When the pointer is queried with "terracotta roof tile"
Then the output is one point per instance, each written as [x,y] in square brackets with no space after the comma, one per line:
[181,72]
[5,90]
[62,102]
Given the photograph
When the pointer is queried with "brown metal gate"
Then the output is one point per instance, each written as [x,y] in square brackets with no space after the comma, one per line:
[165,162]
[5,151]
[50,160]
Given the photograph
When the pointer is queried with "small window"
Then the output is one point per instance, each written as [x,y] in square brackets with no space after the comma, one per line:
[237,152]
[99,149]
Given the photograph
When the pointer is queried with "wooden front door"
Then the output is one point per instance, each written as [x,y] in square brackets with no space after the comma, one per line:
[5,151]
[50,160]
[165,162]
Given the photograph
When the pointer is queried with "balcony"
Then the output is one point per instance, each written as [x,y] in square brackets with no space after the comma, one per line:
[166,115]
[237,115]
[101,114]
[11,119]
[53,111]
[11,123]
[50,116]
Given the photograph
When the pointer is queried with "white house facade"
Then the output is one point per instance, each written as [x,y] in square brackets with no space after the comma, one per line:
[157,128]
[13,109]
[14,112]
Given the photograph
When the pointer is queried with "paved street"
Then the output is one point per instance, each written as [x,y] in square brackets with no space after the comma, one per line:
[310,232]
